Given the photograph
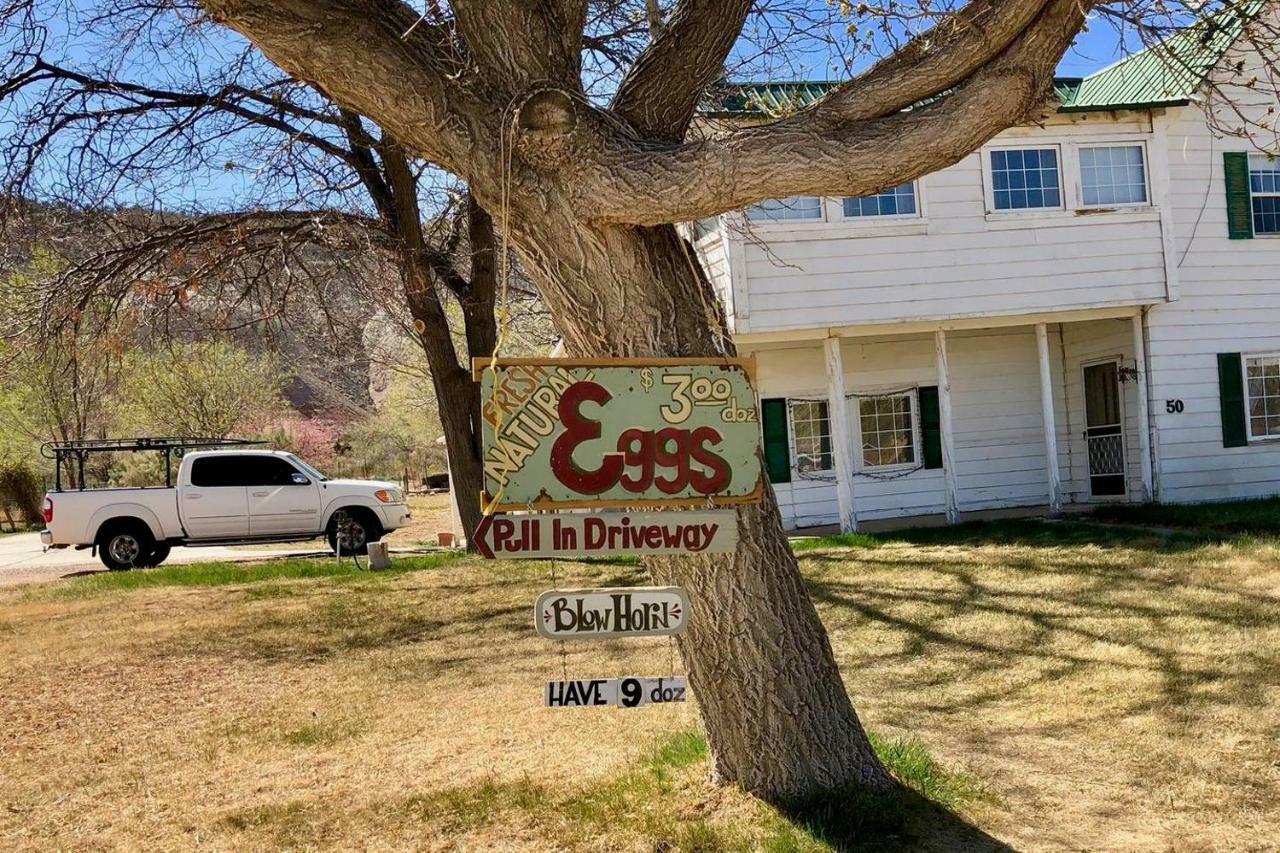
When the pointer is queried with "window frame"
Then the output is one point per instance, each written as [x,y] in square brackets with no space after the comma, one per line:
[821,218]
[1140,144]
[838,215]
[988,178]
[792,435]
[1253,221]
[1248,410]
[917,448]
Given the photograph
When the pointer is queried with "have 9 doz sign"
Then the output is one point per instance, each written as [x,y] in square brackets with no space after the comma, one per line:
[562,433]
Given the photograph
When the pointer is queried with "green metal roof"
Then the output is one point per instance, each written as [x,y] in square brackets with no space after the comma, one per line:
[1164,74]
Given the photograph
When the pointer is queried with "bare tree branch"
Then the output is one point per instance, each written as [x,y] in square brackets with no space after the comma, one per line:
[660,93]
[409,68]
[803,155]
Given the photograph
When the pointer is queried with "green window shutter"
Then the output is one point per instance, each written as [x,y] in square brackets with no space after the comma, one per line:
[1231,394]
[930,426]
[1235,166]
[777,451]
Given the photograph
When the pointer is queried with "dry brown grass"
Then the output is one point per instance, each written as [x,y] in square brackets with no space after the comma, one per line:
[1110,696]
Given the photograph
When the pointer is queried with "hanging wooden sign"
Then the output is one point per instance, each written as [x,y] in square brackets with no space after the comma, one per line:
[619,692]
[604,534]
[563,433]
[584,614]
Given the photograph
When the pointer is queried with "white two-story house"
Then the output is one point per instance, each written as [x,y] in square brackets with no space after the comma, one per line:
[1087,309]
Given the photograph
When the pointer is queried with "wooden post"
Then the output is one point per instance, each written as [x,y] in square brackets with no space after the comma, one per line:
[948,439]
[841,441]
[1144,416]
[1050,423]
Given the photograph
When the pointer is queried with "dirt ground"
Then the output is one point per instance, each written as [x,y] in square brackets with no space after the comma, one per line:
[431,516]
[1109,695]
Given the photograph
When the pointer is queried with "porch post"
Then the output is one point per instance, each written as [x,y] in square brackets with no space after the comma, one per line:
[841,440]
[1050,422]
[948,439]
[1144,416]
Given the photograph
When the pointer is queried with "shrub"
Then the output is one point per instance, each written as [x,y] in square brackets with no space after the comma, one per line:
[20,493]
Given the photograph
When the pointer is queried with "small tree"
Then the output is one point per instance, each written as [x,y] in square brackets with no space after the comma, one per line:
[215,389]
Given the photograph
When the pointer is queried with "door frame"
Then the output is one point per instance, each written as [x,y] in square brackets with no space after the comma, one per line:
[1118,361]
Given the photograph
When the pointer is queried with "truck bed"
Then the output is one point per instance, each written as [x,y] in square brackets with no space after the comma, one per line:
[78,514]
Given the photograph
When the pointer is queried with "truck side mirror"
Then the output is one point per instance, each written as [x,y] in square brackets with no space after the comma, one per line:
[299,479]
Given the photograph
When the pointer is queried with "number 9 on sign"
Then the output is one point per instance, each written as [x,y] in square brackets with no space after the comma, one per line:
[630,692]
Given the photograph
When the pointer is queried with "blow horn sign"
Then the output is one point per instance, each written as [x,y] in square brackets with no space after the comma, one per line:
[584,614]
[607,533]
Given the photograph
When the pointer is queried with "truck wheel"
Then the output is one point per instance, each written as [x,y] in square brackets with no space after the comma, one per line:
[353,530]
[158,554]
[124,546]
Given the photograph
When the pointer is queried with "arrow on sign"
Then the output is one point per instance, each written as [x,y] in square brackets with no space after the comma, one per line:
[482,530]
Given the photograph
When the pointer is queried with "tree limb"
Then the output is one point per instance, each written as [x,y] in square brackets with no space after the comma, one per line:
[932,63]
[659,94]
[807,155]
[408,74]
[518,44]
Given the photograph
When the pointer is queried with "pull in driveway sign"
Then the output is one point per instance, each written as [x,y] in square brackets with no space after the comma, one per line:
[608,533]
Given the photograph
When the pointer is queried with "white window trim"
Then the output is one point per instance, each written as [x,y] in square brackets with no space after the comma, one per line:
[835,211]
[816,397]
[1244,377]
[856,417]
[1267,235]
[821,219]
[988,181]
[1078,189]
[833,222]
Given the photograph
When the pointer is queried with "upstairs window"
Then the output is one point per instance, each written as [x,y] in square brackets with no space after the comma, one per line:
[1112,175]
[1025,179]
[898,201]
[1264,192]
[1262,390]
[888,430]
[811,436]
[800,207]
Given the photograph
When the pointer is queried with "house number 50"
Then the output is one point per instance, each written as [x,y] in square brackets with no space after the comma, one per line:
[1173,407]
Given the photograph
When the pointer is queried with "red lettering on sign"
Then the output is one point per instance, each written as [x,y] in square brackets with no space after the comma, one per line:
[640,454]
[579,428]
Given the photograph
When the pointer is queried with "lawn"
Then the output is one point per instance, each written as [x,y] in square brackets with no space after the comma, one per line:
[1055,687]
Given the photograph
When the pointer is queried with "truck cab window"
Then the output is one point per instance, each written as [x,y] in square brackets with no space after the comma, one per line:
[242,471]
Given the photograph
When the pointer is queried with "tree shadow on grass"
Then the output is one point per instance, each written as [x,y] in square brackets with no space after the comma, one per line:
[897,820]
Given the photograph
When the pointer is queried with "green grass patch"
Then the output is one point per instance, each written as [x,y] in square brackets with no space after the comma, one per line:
[224,574]
[835,540]
[915,767]
[645,803]
[1256,517]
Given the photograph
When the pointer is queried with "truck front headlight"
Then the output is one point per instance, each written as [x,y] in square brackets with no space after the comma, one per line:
[389,496]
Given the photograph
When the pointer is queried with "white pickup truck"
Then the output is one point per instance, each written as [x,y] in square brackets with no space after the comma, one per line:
[223,497]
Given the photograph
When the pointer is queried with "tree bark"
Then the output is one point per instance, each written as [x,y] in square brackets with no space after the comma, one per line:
[457,396]
[775,710]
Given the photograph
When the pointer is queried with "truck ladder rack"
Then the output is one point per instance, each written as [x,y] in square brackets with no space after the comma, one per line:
[62,451]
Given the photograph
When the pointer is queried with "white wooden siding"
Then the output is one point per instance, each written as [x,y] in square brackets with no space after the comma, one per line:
[1229,302]
[1091,343]
[999,436]
[958,259]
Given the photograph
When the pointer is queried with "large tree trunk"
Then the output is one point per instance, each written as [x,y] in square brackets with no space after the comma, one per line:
[777,716]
